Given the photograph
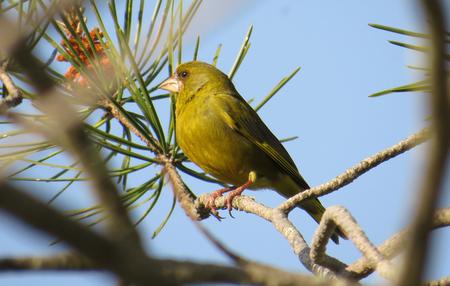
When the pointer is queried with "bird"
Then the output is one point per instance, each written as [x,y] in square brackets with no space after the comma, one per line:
[221,133]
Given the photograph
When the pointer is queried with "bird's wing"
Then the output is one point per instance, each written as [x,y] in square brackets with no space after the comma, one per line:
[243,119]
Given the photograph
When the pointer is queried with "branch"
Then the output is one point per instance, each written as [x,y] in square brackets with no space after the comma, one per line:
[359,169]
[181,272]
[65,261]
[434,172]
[339,216]
[125,259]
[151,142]
[14,96]
[394,245]
[282,224]
[183,195]
[185,198]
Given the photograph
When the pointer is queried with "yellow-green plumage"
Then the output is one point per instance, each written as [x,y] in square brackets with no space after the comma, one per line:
[223,135]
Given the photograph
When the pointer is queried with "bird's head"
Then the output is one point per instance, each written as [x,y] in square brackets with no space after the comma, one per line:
[192,76]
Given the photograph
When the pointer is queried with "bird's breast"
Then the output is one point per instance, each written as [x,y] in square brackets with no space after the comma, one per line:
[215,147]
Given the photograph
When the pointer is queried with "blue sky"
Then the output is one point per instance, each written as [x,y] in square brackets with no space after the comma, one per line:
[342,61]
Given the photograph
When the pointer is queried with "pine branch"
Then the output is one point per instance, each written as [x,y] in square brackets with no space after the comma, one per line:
[394,246]
[359,169]
[341,217]
[14,96]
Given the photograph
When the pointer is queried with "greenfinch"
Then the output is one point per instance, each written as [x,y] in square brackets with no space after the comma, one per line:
[221,133]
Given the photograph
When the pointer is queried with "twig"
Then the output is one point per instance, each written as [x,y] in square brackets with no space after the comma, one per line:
[183,195]
[247,264]
[116,113]
[434,172]
[14,96]
[64,261]
[219,245]
[282,224]
[125,259]
[354,172]
[339,216]
[180,272]
[251,265]
[393,246]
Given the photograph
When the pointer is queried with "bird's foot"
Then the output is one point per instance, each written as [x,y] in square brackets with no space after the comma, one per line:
[235,193]
[211,202]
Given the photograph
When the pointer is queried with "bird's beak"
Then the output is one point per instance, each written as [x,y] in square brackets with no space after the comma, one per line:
[171,84]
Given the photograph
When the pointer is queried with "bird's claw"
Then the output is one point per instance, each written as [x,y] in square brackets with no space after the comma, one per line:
[229,199]
[216,214]
[211,202]
[212,208]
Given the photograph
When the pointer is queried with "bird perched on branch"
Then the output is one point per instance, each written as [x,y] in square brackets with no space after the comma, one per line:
[221,133]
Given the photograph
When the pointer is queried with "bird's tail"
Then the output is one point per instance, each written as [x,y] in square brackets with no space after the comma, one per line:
[315,209]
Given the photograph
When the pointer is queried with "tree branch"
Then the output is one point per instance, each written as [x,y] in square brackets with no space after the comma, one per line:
[394,245]
[151,142]
[181,272]
[185,198]
[14,96]
[359,169]
[416,254]
[282,224]
[339,216]
[125,259]
[64,261]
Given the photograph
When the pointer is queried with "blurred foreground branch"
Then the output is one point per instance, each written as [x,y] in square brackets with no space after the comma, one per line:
[438,154]
[124,259]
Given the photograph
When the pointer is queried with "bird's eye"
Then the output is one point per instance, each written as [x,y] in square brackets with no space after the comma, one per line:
[183,74]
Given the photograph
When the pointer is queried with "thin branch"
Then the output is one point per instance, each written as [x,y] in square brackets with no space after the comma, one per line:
[125,259]
[339,216]
[64,261]
[116,113]
[281,223]
[219,245]
[247,264]
[394,245]
[359,169]
[180,272]
[434,172]
[185,197]
[14,96]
